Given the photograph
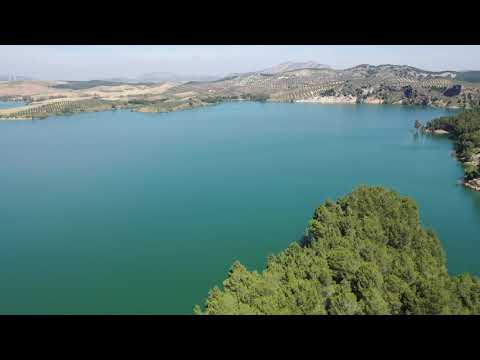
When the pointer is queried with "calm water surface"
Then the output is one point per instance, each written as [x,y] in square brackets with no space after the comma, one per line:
[123,212]
[11,104]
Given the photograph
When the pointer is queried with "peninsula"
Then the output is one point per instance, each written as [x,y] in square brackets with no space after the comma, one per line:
[464,128]
[365,254]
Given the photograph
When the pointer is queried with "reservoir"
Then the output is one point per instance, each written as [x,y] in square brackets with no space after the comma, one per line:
[11,104]
[133,213]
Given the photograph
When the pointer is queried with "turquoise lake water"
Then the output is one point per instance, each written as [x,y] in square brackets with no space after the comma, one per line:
[11,104]
[132,213]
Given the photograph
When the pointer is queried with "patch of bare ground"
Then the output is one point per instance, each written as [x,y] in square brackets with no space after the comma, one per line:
[123,91]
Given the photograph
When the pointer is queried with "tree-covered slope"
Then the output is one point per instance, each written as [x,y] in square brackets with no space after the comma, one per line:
[464,127]
[367,253]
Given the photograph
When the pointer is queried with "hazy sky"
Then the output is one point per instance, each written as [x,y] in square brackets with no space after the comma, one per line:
[100,61]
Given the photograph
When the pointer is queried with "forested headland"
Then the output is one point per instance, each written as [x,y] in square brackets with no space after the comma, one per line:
[464,128]
[366,253]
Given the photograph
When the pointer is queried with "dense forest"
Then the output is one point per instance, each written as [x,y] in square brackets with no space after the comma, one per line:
[366,253]
[465,130]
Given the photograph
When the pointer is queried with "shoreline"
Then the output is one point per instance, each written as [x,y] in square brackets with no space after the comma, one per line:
[326,100]
[473,184]
[436,132]
[342,99]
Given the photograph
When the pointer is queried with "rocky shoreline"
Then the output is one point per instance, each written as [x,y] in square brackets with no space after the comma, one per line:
[330,100]
[473,184]
[436,131]
[341,99]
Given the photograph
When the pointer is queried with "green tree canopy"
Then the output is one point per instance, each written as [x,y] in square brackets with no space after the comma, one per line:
[465,131]
[367,253]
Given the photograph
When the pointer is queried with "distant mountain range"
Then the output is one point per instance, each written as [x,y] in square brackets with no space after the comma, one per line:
[173,77]
[287,82]
[283,67]
[362,71]
[290,66]
[158,77]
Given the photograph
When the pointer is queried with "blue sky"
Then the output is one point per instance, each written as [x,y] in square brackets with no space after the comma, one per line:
[100,61]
